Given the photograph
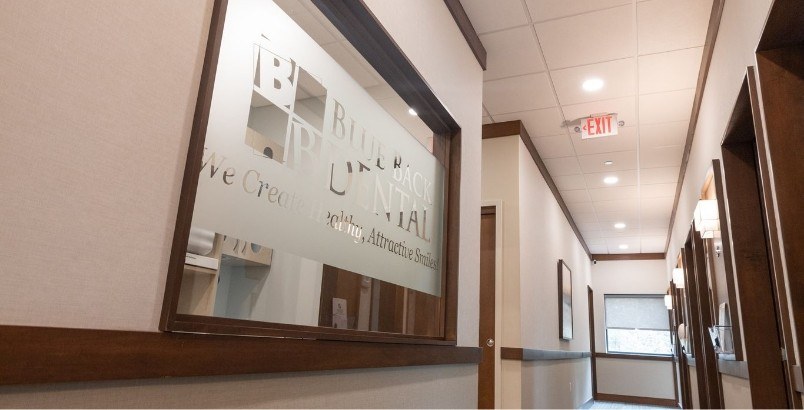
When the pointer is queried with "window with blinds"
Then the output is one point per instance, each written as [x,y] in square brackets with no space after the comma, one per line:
[637,324]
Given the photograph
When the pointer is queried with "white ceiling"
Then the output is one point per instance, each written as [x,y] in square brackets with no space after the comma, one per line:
[648,53]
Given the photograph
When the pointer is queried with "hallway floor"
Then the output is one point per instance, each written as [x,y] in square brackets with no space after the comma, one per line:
[616,405]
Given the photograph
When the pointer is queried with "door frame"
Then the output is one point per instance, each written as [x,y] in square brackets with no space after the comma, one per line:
[498,272]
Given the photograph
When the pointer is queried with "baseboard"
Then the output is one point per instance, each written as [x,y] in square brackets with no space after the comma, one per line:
[636,400]
[588,404]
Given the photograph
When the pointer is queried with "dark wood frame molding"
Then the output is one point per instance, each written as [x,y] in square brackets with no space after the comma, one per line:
[51,355]
[516,127]
[367,35]
[532,355]
[703,73]
[651,401]
[561,266]
[627,256]
[628,356]
[468,30]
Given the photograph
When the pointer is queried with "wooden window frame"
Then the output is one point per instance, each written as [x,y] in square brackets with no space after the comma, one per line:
[367,35]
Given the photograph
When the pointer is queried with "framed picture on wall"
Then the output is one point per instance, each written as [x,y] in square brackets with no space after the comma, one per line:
[564,301]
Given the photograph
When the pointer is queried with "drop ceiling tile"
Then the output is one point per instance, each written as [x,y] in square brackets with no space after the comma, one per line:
[632,244]
[556,146]
[581,217]
[351,64]
[582,208]
[541,10]
[624,107]
[578,195]
[660,203]
[619,233]
[662,135]
[595,180]
[661,157]
[515,94]
[568,182]
[666,107]
[590,234]
[511,52]
[626,140]
[623,160]
[539,123]
[494,15]
[487,120]
[619,205]
[656,213]
[657,190]
[608,224]
[673,70]
[597,249]
[562,166]
[653,244]
[588,38]
[619,80]
[654,223]
[596,242]
[589,226]
[659,175]
[654,232]
[612,193]
[665,25]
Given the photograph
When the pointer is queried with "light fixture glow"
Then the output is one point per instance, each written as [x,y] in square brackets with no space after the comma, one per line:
[411,111]
[706,217]
[607,163]
[678,277]
[619,225]
[610,180]
[668,302]
[623,246]
[592,84]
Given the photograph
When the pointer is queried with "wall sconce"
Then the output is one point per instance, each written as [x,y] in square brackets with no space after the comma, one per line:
[707,221]
[678,277]
[668,301]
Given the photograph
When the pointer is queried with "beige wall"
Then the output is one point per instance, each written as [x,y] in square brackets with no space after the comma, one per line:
[97,107]
[736,392]
[535,236]
[629,377]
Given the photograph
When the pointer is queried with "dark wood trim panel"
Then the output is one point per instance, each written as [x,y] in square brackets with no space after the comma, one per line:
[530,355]
[734,368]
[628,356]
[705,310]
[717,179]
[651,401]
[694,327]
[49,355]
[509,128]
[703,73]
[784,26]
[192,167]
[627,256]
[590,303]
[752,264]
[468,30]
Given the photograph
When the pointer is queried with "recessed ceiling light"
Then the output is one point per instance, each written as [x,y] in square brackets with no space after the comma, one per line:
[411,111]
[610,180]
[619,225]
[623,246]
[592,84]
[607,163]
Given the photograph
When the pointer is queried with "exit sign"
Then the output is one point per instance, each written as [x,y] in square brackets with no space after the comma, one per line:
[599,126]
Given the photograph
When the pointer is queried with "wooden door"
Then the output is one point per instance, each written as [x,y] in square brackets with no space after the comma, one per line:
[485,384]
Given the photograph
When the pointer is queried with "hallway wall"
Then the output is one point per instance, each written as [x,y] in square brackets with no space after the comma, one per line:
[97,111]
[629,377]
[535,236]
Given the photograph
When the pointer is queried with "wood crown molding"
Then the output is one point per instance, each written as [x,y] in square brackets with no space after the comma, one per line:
[628,356]
[468,30]
[703,73]
[529,355]
[50,355]
[510,128]
[627,256]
